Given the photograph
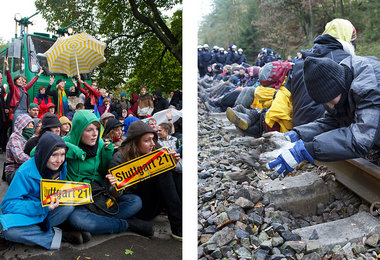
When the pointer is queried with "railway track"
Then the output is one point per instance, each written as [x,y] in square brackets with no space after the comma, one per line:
[358,175]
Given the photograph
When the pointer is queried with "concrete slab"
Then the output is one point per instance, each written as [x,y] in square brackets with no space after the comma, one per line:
[300,193]
[340,232]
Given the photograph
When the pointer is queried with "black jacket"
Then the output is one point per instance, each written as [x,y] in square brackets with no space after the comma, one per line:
[305,110]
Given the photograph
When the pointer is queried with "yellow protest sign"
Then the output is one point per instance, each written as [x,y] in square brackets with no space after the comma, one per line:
[68,192]
[141,168]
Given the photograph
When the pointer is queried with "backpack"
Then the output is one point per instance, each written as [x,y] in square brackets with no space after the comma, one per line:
[274,73]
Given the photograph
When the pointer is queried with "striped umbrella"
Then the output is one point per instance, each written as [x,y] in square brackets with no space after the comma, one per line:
[79,53]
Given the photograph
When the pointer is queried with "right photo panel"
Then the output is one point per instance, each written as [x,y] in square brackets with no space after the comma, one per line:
[288,130]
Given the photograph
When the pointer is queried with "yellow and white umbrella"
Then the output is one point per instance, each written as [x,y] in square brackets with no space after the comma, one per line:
[79,53]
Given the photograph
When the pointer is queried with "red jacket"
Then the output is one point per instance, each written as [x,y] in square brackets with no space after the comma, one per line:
[16,91]
[43,107]
[94,94]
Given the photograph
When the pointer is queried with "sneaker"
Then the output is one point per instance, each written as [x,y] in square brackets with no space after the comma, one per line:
[177,237]
[141,227]
[239,119]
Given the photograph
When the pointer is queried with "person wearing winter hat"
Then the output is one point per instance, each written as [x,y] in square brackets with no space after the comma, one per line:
[114,133]
[33,110]
[335,43]
[88,159]
[161,191]
[15,155]
[66,126]
[50,123]
[23,219]
[125,103]
[350,94]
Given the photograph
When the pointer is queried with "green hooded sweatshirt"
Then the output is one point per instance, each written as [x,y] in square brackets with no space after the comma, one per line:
[77,165]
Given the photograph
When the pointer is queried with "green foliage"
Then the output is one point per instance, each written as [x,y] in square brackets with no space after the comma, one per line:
[3,43]
[136,32]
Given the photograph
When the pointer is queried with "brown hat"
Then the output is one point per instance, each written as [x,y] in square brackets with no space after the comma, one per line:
[139,128]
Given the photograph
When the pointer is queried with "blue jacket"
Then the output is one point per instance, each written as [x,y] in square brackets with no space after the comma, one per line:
[21,205]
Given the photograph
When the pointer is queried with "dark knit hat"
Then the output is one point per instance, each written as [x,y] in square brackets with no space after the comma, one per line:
[111,124]
[324,79]
[138,128]
[50,120]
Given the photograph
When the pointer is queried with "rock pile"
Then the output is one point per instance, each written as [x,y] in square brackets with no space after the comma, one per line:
[236,220]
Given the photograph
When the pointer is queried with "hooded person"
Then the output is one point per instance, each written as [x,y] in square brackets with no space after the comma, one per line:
[15,155]
[336,44]
[114,132]
[88,158]
[23,219]
[349,92]
[42,99]
[66,126]
[51,123]
[159,102]
[161,191]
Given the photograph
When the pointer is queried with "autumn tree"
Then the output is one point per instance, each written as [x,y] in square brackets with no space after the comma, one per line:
[129,27]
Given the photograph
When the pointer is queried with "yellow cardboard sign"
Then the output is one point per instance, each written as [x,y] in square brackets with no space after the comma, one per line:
[68,192]
[142,168]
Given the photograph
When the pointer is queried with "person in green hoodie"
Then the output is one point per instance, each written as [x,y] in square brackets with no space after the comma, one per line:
[88,158]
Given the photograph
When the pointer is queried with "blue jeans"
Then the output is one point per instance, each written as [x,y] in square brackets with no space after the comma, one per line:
[33,235]
[84,220]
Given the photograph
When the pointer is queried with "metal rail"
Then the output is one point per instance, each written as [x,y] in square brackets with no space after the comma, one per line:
[358,175]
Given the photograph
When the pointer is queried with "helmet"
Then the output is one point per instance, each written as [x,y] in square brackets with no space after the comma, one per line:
[221,49]
[205,45]
[233,47]
[215,48]
[240,49]
[199,46]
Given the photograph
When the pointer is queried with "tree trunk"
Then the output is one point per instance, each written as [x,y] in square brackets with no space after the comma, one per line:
[311,36]
[341,8]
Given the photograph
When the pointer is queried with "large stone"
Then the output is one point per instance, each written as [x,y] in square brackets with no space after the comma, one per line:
[312,256]
[300,193]
[244,253]
[342,231]
[224,236]
[261,254]
[372,240]
[277,241]
[297,246]
[244,203]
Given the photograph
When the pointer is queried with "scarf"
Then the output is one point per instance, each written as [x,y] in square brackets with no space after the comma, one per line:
[91,151]
[41,97]
[63,106]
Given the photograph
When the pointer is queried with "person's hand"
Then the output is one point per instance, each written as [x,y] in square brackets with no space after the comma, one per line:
[107,143]
[289,160]
[6,63]
[176,156]
[41,71]
[54,202]
[74,82]
[80,80]
[51,80]
[6,110]
[169,114]
[112,180]
[291,136]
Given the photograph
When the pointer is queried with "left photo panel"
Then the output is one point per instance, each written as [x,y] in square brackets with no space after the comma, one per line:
[91,129]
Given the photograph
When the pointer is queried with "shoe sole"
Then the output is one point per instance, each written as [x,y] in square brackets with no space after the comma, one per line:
[235,119]
[175,237]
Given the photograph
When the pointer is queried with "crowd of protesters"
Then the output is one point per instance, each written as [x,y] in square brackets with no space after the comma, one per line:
[325,100]
[78,135]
